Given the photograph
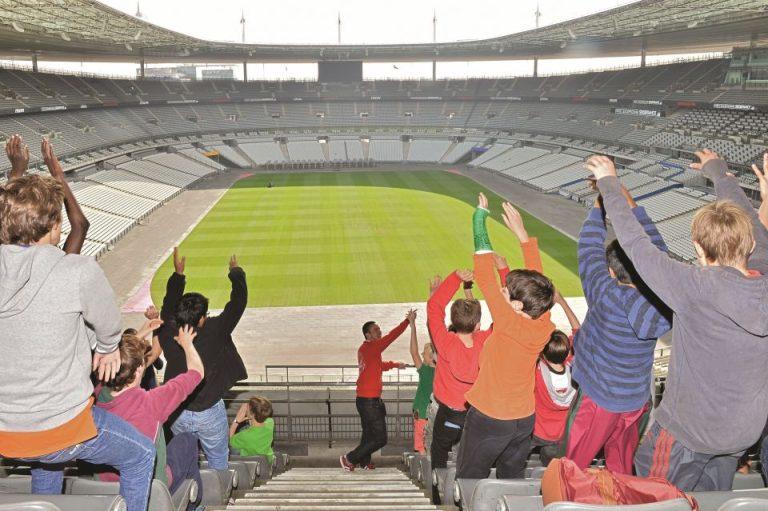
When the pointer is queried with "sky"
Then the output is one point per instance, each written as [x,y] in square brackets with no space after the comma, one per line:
[364,22]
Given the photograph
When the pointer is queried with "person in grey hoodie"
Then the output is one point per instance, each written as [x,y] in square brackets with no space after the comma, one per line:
[716,398]
[54,309]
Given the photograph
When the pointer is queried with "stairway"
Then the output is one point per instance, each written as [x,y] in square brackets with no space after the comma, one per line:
[331,489]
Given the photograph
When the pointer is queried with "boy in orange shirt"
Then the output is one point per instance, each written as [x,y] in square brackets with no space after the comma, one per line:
[500,420]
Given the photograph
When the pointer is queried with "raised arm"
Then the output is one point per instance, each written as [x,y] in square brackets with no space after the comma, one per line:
[569,314]
[666,277]
[414,347]
[593,265]
[441,296]
[166,398]
[18,155]
[238,297]
[79,224]
[727,188]
[384,342]
[174,289]
[529,246]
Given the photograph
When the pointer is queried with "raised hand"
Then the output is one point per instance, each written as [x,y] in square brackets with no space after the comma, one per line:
[434,283]
[242,413]
[500,262]
[466,275]
[178,261]
[514,221]
[762,178]
[411,316]
[186,335]
[50,159]
[704,156]
[600,166]
[18,154]
[106,365]
[233,262]
[482,201]
[151,312]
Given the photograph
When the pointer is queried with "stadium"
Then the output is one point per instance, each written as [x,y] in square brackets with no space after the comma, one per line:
[316,206]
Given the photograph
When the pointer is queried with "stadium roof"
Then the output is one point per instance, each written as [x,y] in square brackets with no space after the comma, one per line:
[87,29]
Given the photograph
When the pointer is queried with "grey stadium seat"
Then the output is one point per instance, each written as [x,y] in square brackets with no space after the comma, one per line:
[34,505]
[712,500]
[745,504]
[159,498]
[259,467]
[751,481]
[244,474]
[485,493]
[217,486]
[66,502]
[444,479]
[667,505]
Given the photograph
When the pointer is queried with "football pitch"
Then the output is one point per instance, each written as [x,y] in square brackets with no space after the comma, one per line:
[363,237]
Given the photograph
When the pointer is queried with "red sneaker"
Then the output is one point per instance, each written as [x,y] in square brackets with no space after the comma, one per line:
[369,466]
[349,467]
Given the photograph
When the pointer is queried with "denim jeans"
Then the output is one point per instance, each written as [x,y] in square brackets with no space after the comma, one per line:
[117,444]
[212,428]
[373,416]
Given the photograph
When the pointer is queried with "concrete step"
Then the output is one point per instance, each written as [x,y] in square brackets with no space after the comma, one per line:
[318,501]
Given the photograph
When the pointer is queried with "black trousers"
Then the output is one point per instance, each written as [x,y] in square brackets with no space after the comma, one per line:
[373,415]
[491,442]
[446,433]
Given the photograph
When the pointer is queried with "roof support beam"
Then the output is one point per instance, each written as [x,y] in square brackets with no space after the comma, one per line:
[642,54]
[34,62]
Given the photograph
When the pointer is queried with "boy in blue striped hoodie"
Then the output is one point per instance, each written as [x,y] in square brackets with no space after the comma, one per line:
[614,348]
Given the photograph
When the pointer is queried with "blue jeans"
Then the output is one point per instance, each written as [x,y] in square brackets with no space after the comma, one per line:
[117,444]
[212,428]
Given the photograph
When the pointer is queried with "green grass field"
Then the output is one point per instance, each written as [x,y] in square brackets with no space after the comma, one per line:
[351,238]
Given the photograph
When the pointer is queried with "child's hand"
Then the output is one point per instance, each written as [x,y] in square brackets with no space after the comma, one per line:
[465,275]
[762,177]
[411,316]
[186,336]
[482,201]
[500,261]
[151,312]
[600,167]
[514,221]
[242,413]
[704,156]
[434,283]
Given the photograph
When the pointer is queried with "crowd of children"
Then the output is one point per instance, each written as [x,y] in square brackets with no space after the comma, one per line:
[496,393]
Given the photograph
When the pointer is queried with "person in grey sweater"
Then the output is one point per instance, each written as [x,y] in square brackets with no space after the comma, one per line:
[716,398]
[54,309]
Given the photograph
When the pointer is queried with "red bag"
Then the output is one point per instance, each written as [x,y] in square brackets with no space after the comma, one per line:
[563,481]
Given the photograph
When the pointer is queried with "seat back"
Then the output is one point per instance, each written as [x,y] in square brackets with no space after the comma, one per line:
[425,473]
[186,492]
[667,505]
[518,503]
[745,504]
[16,484]
[751,481]
[444,479]
[35,505]
[712,500]
[259,466]
[485,496]
[67,502]
[217,486]
[159,497]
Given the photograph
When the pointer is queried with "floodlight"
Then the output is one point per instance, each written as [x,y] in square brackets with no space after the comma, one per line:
[570,33]
[65,36]
[563,44]
[693,24]
[128,47]
[17,27]
[138,34]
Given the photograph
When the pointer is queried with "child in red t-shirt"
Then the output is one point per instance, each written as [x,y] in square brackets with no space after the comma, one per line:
[553,389]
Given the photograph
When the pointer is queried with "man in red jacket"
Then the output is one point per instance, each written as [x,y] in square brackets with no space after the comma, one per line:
[369,404]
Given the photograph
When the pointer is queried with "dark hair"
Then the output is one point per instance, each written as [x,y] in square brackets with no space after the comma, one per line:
[557,349]
[133,353]
[260,408]
[131,331]
[534,290]
[465,315]
[367,326]
[191,309]
[620,264]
